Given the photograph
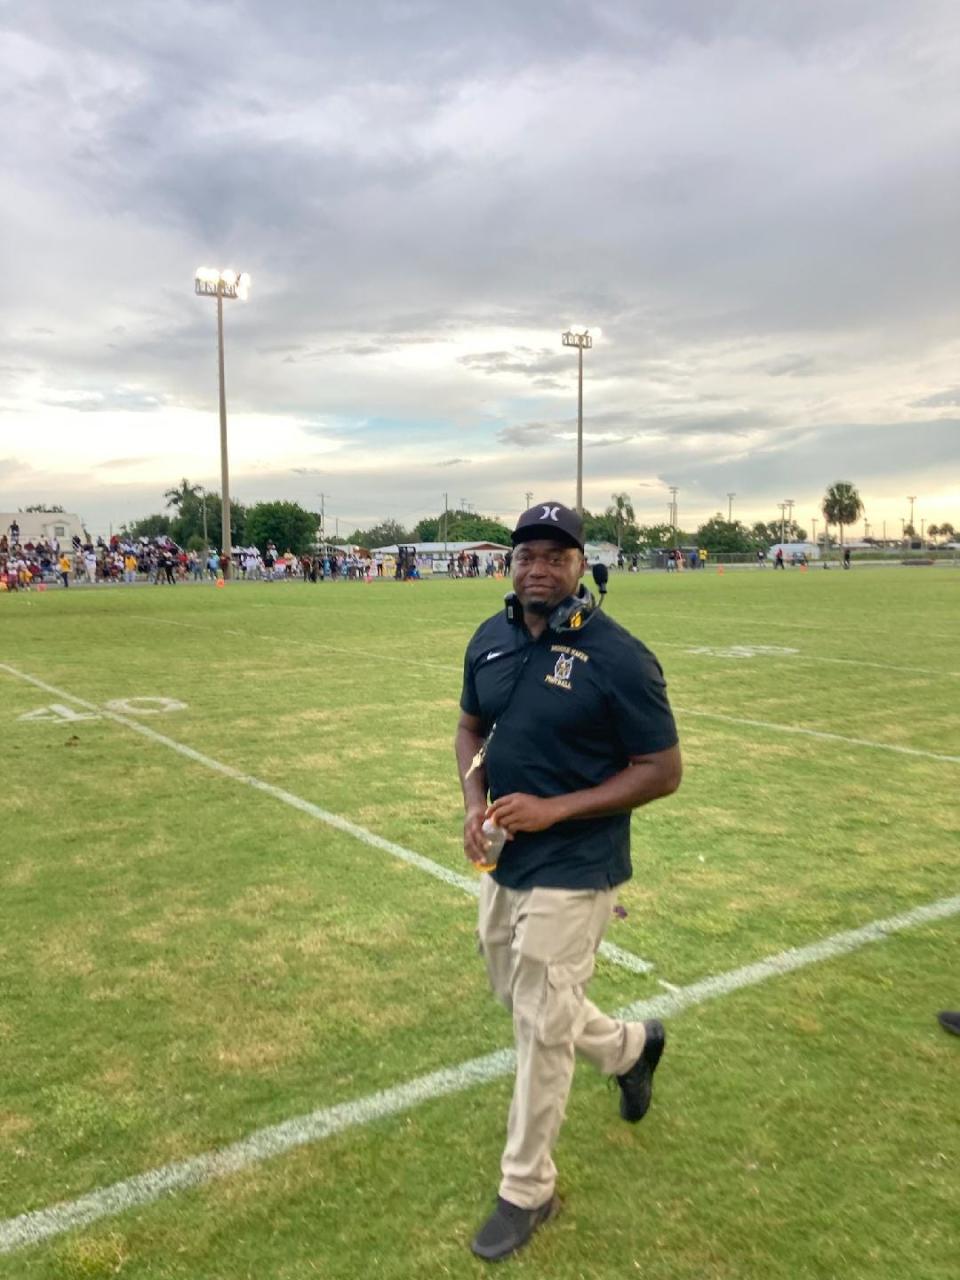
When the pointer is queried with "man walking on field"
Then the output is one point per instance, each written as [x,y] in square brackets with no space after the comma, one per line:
[565,725]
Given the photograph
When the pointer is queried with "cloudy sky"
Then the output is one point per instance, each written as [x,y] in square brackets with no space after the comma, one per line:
[757,204]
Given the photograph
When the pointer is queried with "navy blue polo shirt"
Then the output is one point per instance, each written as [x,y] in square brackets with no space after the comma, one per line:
[582,703]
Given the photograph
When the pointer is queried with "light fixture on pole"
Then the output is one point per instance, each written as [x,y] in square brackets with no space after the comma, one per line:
[730,498]
[911,498]
[211,283]
[789,504]
[582,341]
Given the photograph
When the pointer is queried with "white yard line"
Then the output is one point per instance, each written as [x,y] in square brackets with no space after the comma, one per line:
[616,955]
[264,1144]
[315,644]
[819,734]
[747,723]
[690,646]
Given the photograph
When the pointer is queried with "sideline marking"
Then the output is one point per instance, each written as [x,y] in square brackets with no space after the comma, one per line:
[708,715]
[742,650]
[616,955]
[274,1140]
[719,651]
[816,733]
[313,644]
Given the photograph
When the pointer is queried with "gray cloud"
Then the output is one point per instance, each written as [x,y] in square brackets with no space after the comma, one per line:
[522,360]
[394,175]
[949,399]
[114,399]
[791,365]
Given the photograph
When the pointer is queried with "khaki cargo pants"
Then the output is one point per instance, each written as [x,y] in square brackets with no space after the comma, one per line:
[539,947]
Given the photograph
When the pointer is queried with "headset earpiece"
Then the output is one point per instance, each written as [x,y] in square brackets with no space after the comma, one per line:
[573,613]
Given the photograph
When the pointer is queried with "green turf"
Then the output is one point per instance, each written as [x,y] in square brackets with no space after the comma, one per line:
[185,960]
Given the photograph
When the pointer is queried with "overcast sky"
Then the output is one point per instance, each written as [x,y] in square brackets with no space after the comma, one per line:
[756,203]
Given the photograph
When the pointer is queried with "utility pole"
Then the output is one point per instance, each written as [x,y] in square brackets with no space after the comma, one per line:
[911,498]
[528,496]
[783,516]
[673,512]
[730,498]
[323,526]
[445,525]
[789,504]
[813,522]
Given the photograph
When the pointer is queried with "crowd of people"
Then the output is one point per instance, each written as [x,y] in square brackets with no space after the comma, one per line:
[161,562]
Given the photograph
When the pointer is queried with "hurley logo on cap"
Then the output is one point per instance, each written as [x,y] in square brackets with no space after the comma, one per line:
[550,520]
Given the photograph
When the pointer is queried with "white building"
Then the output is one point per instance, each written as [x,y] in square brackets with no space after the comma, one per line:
[809,550]
[602,553]
[40,526]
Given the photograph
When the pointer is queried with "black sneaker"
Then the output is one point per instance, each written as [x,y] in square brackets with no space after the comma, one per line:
[950,1022]
[636,1085]
[509,1228]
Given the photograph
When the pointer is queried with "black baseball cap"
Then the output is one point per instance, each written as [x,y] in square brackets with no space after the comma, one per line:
[549,520]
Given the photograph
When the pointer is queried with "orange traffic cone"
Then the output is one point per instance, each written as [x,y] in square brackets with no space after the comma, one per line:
[719,568]
[220,582]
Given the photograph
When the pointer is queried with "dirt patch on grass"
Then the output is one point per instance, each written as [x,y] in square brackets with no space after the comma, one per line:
[90,1257]
[66,954]
[257,1055]
[13,1126]
[19,876]
[261,900]
[173,919]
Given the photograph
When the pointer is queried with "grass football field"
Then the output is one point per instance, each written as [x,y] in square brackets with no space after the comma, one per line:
[218,937]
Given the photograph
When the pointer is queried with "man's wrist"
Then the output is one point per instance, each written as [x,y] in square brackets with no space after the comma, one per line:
[560,808]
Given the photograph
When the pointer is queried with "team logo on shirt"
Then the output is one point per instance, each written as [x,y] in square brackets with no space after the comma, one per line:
[562,671]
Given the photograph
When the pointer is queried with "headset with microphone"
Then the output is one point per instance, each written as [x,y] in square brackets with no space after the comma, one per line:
[572,613]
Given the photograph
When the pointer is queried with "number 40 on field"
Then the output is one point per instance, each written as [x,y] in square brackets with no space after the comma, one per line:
[59,713]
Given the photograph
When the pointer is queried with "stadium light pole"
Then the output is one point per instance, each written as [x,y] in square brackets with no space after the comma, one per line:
[674,515]
[582,341]
[730,498]
[211,283]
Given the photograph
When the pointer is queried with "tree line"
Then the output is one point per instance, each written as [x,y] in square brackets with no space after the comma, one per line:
[194,520]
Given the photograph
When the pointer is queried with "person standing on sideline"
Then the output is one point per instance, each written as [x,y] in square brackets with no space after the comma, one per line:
[778,559]
[565,724]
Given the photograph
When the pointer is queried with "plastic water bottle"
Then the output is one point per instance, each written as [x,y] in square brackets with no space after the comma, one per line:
[496,838]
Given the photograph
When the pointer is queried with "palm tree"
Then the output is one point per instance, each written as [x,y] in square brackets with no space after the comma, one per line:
[842,505]
[177,497]
[622,512]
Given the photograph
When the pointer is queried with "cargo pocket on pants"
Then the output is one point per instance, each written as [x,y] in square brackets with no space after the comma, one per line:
[561,1011]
